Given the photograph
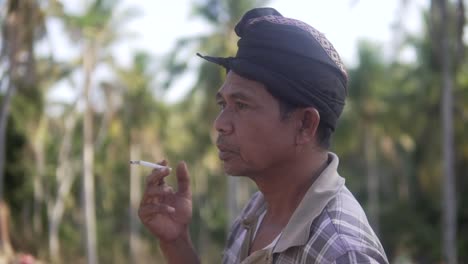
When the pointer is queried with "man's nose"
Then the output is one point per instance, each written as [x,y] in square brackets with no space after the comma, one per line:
[223,123]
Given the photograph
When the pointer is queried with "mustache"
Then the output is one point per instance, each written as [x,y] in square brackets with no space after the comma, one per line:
[223,144]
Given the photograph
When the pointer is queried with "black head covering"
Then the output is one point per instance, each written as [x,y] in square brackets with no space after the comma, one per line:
[293,60]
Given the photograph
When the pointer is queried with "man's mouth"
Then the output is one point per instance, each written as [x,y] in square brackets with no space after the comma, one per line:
[225,152]
[225,155]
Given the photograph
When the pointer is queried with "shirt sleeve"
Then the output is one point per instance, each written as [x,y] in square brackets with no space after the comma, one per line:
[356,257]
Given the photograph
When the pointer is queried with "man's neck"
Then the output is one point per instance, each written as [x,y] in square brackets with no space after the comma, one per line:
[284,188]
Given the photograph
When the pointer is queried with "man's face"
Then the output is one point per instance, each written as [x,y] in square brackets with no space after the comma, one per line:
[252,137]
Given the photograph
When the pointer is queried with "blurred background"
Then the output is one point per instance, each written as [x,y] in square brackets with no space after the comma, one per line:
[88,85]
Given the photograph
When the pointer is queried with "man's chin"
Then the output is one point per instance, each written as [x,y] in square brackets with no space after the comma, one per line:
[231,170]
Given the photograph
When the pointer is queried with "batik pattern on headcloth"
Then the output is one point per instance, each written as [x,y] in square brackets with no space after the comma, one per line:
[319,37]
[295,62]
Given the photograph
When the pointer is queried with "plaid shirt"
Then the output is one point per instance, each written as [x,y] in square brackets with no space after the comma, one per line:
[328,226]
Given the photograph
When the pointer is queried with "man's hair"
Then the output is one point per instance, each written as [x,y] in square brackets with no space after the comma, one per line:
[323,131]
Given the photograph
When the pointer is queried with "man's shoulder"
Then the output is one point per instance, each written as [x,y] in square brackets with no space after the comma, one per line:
[346,215]
[342,227]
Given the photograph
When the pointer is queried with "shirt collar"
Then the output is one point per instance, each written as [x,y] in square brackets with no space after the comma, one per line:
[296,232]
[323,189]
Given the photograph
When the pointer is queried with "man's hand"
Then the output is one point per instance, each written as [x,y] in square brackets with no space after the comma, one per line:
[164,212]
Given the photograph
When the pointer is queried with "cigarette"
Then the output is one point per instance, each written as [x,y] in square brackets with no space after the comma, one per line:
[149,164]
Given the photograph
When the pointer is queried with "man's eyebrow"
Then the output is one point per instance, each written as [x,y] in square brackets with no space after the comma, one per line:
[239,95]
[235,95]
[218,96]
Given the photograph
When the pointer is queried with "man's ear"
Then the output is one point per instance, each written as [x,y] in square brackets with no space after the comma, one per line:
[308,122]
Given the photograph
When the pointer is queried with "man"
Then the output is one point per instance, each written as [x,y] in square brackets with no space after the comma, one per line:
[279,105]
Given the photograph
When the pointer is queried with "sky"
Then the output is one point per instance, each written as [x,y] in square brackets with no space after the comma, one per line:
[345,22]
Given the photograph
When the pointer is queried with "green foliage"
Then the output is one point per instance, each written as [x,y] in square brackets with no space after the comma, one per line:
[16,167]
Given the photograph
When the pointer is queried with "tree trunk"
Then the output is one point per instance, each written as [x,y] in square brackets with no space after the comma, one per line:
[449,198]
[88,158]
[9,48]
[56,210]
[5,112]
[372,178]
[38,190]
[65,176]
[135,196]
[17,43]
[39,156]
[404,182]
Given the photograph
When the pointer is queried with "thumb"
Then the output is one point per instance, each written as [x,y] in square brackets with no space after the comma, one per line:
[183,180]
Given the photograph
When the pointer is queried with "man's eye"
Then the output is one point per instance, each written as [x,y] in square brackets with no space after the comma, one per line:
[221,104]
[240,105]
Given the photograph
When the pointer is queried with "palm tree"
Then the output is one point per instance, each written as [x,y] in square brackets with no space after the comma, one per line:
[449,227]
[97,28]
[430,84]
[21,27]
[65,175]
[140,112]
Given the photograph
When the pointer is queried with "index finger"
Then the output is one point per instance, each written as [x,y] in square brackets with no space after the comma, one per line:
[183,180]
[157,175]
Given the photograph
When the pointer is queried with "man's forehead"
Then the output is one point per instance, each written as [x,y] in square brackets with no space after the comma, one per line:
[237,85]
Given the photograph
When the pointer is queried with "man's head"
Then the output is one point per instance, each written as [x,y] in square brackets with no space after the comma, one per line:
[294,62]
[256,132]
